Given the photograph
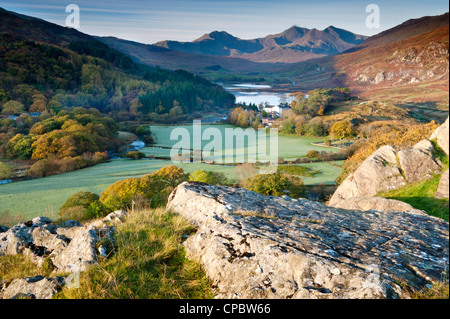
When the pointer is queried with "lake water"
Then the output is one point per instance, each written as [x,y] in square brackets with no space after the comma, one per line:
[244,94]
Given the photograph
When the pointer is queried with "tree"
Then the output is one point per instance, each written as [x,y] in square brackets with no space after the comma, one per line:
[20,146]
[287,126]
[13,108]
[5,171]
[267,184]
[176,110]
[342,129]
[39,103]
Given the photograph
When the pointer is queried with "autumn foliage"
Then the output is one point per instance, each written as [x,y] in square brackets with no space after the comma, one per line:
[399,136]
[152,190]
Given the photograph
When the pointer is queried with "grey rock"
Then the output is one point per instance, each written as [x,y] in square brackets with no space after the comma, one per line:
[443,188]
[71,223]
[418,162]
[79,254]
[40,221]
[375,203]
[255,246]
[37,287]
[71,247]
[379,172]
[441,135]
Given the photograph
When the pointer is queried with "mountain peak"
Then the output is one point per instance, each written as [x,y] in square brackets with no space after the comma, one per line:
[216,35]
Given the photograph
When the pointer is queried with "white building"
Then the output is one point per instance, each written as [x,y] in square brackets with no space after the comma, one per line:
[275,110]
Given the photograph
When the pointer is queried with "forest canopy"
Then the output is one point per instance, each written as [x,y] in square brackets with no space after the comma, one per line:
[44,77]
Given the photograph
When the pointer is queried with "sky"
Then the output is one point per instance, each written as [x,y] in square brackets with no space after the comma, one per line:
[186,20]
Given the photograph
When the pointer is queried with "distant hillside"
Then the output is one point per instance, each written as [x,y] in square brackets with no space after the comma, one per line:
[407,64]
[48,67]
[292,45]
[159,56]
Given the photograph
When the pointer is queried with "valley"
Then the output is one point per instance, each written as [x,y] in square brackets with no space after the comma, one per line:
[305,163]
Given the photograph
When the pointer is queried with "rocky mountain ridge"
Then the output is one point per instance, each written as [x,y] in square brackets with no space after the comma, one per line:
[292,45]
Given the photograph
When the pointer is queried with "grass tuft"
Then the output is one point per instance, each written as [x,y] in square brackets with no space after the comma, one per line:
[149,263]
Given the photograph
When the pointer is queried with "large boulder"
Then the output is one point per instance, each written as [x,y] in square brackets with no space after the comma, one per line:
[387,169]
[441,135]
[379,172]
[255,246]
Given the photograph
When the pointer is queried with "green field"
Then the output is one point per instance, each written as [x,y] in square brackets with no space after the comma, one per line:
[44,196]
[289,147]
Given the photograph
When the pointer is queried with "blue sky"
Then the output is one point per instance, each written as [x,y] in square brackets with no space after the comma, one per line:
[185,20]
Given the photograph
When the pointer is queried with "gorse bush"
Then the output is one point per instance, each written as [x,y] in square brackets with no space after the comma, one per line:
[276,184]
[151,190]
[82,206]
[208,177]
[135,155]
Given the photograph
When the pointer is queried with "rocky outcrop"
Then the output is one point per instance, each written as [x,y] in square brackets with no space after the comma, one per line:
[69,247]
[441,135]
[387,169]
[379,172]
[255,246]
[37,287]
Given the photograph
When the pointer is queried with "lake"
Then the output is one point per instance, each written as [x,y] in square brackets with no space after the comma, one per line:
[255,94]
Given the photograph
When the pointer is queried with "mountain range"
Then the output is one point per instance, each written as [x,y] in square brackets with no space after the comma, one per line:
[292,45]
[221,50]
[407,64]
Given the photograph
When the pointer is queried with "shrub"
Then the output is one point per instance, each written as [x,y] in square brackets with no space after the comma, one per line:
[297,170]
[143,130]
[40,168]
[267,184]
[208,177]
[135,155]
[82,206]
[400,137]
[171,174]
[152,189]
[313,154]
[52,166]
[342,129]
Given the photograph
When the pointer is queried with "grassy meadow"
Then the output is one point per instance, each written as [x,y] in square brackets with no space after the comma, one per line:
[44,196]
[289,146]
